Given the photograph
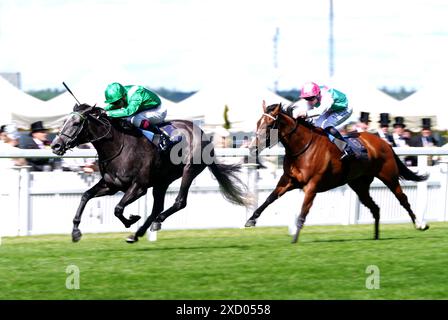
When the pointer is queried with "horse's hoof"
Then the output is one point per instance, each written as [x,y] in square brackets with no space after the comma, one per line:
[156,226]
[132,239]
[423,227]
[76,235]
[294,239]
[132,219]
[250,223]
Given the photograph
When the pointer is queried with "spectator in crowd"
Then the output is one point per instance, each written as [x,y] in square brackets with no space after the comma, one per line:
[349,127]
[383,130]
[2,133]
[363,123]
[10,141]
[425,139]
[397,134]
[39,140]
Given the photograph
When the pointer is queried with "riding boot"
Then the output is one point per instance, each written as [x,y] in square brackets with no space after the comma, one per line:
[165,140]
[340,142]
[159,137]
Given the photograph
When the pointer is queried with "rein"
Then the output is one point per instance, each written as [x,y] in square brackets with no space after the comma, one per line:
[290,133]
[109,129]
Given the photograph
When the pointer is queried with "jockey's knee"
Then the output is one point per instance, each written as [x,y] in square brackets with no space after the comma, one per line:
[145,124]
[332,130]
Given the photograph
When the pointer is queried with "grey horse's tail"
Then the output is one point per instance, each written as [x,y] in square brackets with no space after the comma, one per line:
[232,188]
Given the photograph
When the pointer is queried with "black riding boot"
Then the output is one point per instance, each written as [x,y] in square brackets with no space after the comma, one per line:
[165,141]
[340,142]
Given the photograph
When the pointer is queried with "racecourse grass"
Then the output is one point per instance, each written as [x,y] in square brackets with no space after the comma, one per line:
[329,262]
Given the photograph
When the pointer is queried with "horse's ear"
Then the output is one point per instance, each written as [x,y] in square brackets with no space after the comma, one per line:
[264,106]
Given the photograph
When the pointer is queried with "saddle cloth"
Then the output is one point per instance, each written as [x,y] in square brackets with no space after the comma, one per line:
[352,139]
[168,129]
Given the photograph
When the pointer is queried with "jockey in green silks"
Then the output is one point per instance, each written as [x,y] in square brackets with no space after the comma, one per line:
[138,106]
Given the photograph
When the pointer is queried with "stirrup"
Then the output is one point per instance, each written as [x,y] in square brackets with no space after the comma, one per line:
[164,142]
[347,154]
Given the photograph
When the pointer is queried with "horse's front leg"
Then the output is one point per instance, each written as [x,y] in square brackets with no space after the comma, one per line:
[284,184]
[98,190]
[310,194]
[134,192]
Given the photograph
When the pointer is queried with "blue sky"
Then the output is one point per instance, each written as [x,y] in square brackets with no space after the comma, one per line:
[186,44]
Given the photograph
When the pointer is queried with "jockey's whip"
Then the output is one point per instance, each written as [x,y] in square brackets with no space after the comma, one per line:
[68,89]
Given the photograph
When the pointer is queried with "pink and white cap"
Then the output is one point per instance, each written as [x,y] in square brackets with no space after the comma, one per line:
[309,89]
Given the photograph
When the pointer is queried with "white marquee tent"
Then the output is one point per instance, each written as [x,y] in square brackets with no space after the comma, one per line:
[428,102]
[13,99]
[366,98]
[89,90]
[244,102]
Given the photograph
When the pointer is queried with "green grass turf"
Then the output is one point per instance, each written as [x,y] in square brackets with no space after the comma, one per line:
[329,262]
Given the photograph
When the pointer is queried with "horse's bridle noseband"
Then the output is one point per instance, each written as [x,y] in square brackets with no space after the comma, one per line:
[73,136]
[275,126]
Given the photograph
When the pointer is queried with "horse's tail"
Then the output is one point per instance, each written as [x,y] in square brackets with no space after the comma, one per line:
[232,188]
[407,174]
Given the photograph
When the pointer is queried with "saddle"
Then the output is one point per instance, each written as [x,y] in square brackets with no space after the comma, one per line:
[165,131]
[167,136]
[352,139]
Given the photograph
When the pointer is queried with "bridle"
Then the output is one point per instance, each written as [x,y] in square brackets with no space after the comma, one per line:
[275,126]
[103,121]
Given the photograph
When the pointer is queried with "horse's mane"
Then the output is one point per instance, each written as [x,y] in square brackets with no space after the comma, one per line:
[288,112]
[115,122]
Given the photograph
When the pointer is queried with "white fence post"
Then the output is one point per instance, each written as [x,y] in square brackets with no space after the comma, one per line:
[422,191]
[252,185]
[444,190]
[25,218]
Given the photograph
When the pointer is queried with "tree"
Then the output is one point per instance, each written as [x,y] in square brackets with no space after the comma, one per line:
[227,124]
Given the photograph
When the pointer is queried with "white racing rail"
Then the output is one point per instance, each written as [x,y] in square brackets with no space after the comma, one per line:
[46,202]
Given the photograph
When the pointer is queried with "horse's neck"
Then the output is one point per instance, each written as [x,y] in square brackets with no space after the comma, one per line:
[109,147]
[296,137]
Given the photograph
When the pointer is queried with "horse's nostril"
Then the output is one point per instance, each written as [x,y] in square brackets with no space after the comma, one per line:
[56,146]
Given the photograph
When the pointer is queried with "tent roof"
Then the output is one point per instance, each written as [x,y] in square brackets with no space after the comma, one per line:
[89,90]
[426,103]
[14,99]
[243,100]
[366,98]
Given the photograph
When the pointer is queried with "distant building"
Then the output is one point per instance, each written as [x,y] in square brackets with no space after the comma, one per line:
[14,77]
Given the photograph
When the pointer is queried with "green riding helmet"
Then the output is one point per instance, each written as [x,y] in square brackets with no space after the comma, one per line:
[114,92]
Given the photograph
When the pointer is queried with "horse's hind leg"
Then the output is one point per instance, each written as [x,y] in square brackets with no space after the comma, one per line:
[98,190]
[190,172]
[394,186]
[361,187]
[158,193]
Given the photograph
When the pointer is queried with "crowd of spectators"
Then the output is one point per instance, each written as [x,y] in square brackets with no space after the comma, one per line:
[39,137]
[400,136]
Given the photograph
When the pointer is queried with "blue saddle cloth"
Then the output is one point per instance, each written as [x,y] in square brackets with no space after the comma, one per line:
[168,129]
[352,139]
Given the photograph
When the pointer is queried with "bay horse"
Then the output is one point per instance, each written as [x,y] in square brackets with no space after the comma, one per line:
[130,163]
[313,163]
